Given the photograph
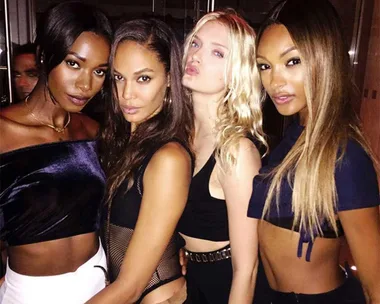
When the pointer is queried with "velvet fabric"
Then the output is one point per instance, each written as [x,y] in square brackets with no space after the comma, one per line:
[50,191]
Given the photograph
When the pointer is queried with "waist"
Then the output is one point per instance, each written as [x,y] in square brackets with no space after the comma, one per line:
[209,256]
[348,291]
[53,257]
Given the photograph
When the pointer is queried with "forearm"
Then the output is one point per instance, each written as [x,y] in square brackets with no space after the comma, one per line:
[243,287]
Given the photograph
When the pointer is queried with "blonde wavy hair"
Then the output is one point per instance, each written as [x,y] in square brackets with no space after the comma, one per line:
[314,27]
[240,111]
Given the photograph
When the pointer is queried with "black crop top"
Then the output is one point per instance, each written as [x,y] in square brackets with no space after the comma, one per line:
[125,210]
[205,217]
[50,191]
[355,180]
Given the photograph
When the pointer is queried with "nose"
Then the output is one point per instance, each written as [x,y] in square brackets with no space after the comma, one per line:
[84,81]
[127,91]
[196,54]
[278,79]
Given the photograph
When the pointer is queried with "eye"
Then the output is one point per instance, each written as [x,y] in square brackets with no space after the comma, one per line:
[118,77]
[293,61]
[72,63]
[218,54]
[263,66]
[100,72]
[144,78]
[32,75]
[194,44]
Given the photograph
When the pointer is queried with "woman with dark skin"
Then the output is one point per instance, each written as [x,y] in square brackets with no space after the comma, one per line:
[320,184]
[51,183]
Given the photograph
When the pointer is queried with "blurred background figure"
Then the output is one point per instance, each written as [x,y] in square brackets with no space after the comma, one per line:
[24,70]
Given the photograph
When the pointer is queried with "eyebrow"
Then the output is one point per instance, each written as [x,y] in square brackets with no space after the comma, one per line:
[31,71]
[292,48]
[288,50]
[213,43]
[137,72]
[84,59]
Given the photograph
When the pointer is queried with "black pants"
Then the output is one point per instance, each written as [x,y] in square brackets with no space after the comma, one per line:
[349,293]
[209,283]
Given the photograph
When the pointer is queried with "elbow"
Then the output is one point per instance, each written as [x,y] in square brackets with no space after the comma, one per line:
[247,274]
[130,291]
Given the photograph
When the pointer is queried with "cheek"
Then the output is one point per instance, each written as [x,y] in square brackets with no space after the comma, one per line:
[98,83]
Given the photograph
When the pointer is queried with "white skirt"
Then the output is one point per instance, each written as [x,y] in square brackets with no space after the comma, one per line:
[68,288]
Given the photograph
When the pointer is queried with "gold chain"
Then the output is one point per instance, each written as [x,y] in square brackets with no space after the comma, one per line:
[55,128]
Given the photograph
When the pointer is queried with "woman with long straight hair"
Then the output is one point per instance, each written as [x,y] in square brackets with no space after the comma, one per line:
[52,184]
[146,154]
[320,184]
[223,81]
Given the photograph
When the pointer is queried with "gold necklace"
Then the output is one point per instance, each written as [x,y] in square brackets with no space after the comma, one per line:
[55,128]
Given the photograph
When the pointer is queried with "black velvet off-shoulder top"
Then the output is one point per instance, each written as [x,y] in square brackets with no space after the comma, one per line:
[50,191]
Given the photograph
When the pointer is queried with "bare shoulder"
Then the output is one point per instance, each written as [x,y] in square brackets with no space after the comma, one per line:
[247,147]
[248,163]
[86,123]
[12,128]
[172,154]
[171,159]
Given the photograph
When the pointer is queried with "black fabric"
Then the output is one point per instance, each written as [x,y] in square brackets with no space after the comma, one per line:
[209,283]
[204,217]
[349,293]
[123,218]
[50,191]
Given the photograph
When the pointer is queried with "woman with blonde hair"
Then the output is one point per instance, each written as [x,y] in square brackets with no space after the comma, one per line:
[320,183]
[223,81]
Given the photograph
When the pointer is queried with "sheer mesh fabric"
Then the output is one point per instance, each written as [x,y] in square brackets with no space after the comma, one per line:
[168,267]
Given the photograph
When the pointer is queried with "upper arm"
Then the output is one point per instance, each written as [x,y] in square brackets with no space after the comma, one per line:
[362,231]
[166,183]
[237,188]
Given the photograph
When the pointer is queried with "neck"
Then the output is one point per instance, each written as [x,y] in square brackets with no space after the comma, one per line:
[205,112]
[42,106]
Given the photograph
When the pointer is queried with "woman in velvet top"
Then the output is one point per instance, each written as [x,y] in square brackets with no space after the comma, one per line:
[321,183]
[148,164]
[51,181]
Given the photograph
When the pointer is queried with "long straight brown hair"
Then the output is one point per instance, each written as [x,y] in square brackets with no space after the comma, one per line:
[120,152]
[315,29]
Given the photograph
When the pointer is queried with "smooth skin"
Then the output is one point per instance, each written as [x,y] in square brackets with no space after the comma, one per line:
[141,82]
[207,55]
[81,74]
[282,72]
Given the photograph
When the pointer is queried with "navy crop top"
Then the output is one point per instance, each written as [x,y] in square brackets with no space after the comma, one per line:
[356,186]
[205,217]
[50,191]
[125,210]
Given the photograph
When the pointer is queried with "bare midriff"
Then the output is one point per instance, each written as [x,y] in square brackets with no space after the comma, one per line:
[53,257]
[200,245]
[288,273]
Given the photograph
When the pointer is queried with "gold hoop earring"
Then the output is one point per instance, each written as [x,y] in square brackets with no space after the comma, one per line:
[168,97]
